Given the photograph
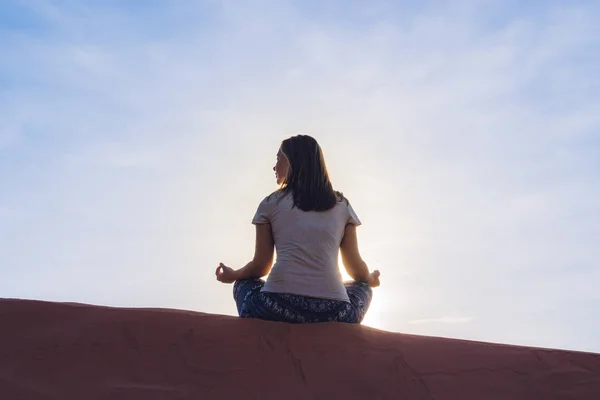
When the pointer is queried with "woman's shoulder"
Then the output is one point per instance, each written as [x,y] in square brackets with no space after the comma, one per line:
[274,196]
[341,198]
[351,217]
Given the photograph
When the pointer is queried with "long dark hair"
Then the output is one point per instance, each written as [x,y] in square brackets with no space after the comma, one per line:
[307,179]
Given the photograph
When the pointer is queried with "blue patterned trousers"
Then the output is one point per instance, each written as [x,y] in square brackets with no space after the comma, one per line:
[284,307]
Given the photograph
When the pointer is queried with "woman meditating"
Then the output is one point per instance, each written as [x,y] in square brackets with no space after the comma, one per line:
[308,223]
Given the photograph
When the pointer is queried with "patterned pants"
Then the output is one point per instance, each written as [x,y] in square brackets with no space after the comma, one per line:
[283,307]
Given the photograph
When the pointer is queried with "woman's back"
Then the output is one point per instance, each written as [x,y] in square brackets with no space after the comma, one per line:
[307,244]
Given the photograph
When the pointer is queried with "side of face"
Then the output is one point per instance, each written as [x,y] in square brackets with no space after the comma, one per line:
[281,167]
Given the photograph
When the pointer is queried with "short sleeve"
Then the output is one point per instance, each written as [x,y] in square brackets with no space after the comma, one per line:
[263,213]
[352,217]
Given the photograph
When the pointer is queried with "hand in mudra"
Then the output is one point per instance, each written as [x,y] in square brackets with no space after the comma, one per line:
[225,274]
[374,279]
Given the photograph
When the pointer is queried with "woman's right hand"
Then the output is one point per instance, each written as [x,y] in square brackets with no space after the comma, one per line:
[225,274]
[374,279]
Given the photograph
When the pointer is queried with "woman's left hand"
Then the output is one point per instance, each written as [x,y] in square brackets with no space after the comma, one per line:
[225,274]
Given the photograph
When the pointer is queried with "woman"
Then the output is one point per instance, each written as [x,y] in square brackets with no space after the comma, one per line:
[309,224]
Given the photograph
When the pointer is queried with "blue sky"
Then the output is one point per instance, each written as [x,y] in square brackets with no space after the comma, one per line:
[137,141]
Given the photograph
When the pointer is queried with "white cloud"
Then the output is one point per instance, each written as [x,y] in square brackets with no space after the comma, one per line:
[114,154]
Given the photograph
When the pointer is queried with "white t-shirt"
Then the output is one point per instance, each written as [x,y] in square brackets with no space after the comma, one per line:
[307,245]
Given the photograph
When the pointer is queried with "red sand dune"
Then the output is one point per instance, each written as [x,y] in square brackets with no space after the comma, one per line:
[81,352]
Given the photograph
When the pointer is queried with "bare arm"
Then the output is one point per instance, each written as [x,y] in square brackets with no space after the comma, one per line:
[355,266]
[263,255]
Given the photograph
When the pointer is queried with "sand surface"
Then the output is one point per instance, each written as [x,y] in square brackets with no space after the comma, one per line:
[83,352]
